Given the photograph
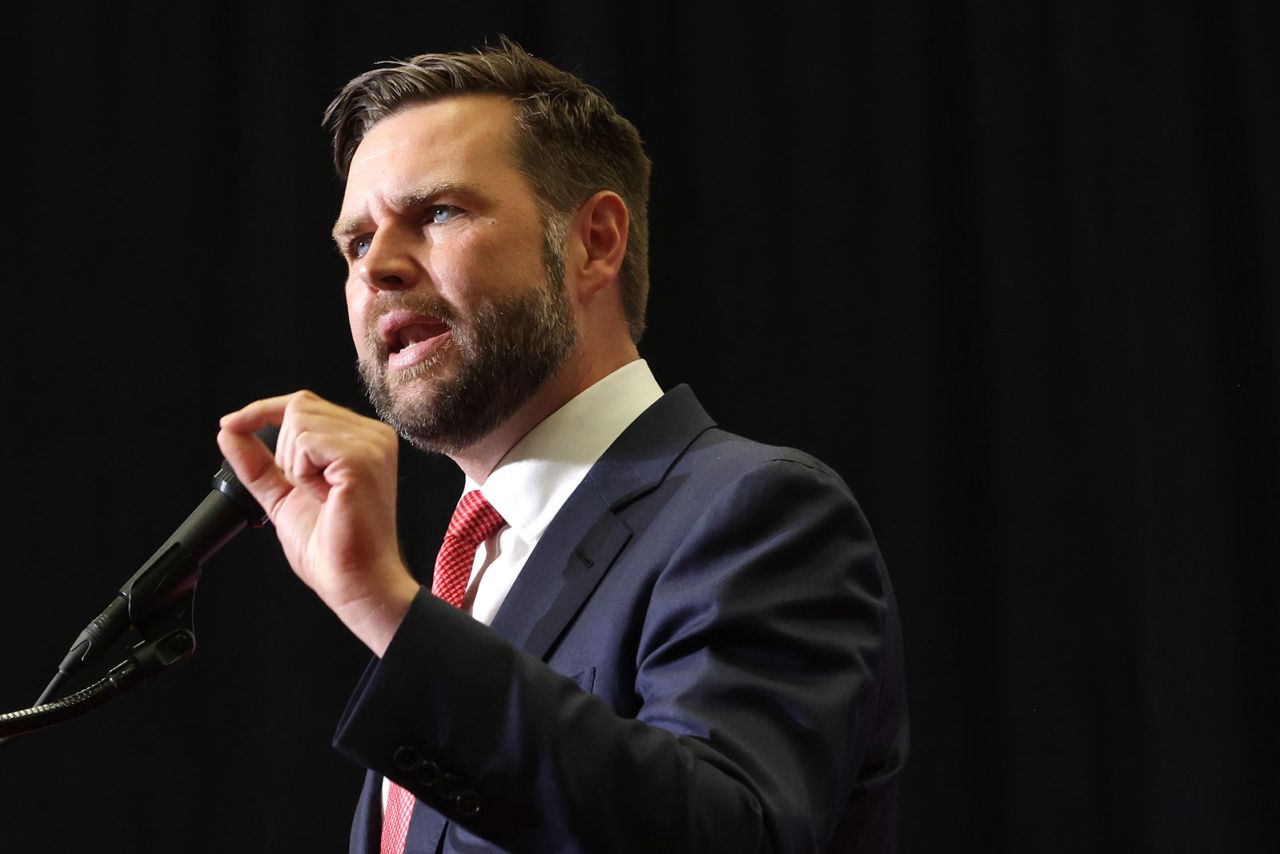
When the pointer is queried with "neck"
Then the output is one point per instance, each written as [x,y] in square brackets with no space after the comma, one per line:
[479,459]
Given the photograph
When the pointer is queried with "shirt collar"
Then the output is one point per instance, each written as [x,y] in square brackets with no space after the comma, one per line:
[537,476]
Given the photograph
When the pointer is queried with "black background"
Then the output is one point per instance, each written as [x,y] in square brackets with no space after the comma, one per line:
[1010,267]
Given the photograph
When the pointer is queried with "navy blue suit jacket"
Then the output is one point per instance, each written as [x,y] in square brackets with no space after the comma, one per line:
[701,654]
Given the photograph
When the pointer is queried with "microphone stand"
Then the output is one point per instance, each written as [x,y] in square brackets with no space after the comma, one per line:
[160,604]
[146,658]
[158,601]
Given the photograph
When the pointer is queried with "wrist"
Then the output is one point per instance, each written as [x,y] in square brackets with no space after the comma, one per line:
[374,621]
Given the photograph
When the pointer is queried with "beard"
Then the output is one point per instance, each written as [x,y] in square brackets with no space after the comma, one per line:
[505,351]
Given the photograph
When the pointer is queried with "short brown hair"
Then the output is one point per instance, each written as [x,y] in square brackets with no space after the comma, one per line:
[570,141]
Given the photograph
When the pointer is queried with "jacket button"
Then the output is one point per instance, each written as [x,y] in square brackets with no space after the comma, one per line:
[449,787]
[406,758]
[427,773]
[467,803]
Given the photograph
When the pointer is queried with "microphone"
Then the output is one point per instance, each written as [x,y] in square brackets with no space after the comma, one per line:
[162,589]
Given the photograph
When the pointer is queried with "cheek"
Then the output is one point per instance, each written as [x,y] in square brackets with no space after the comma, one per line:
[462,282]
[480,271]
[357,318]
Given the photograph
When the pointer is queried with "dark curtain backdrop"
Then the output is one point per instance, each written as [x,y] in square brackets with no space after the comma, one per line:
[1010,267]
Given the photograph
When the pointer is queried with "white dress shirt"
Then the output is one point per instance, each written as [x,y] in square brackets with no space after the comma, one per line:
[536,477]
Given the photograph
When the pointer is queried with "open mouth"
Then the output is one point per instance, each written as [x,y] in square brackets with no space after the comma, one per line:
[410,337]
[413,334]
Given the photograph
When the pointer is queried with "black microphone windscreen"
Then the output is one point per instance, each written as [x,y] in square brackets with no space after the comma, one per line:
[226,482]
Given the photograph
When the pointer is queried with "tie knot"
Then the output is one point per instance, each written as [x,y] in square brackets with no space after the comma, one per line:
[474,520]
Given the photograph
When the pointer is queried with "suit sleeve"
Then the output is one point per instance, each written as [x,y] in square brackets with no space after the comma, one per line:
[758,673]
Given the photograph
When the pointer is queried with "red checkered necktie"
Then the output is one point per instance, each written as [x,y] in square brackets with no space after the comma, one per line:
[473,522]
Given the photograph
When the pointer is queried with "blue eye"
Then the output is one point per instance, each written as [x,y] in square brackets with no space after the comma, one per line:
[360,246]
[440,214]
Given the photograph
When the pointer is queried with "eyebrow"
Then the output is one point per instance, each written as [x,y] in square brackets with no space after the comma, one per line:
[348,226]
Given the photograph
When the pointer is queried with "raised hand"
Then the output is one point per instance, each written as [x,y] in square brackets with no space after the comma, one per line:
[330,491]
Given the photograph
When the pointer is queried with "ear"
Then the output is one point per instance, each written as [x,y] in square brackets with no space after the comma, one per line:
[600,232]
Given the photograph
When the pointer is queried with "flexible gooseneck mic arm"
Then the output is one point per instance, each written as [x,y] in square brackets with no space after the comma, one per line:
[157,600]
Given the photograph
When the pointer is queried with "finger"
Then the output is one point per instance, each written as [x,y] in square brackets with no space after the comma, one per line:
[263,471]
[256,415]
[302,460]
[303,412]
[272,412]
[255,466]
[322,440]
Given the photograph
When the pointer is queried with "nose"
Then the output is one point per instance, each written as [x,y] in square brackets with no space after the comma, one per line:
[390,263]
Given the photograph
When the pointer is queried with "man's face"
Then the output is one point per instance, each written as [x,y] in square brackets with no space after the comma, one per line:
[455,294]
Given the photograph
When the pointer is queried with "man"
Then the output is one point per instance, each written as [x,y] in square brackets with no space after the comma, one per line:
[691,642]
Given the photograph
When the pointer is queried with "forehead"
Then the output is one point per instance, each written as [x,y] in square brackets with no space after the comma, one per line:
[465,138]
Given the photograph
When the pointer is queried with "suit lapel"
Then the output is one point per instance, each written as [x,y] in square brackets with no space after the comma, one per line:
[582,543]
[366,827]
[578,547]
[586,537]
